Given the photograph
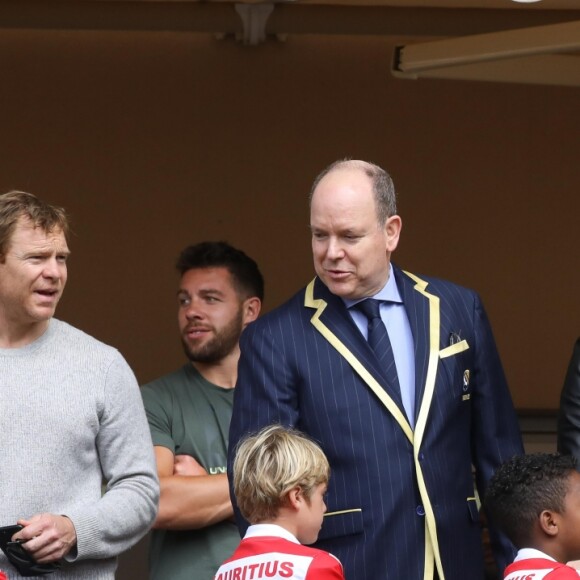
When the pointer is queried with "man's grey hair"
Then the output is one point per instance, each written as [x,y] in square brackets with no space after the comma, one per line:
[383,186]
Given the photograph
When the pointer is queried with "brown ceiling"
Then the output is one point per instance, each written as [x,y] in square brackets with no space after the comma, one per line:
[489,4]
[427,18]
[536,55]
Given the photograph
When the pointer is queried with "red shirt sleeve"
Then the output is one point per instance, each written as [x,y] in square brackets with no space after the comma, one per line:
[326,567]
[563,572]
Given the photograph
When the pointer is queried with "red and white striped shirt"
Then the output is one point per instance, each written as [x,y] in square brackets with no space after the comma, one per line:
[532,564]
[271,552]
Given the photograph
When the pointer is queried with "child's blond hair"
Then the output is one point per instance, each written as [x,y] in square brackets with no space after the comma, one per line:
[271,463]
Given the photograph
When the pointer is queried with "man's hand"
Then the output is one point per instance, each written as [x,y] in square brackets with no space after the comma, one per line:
[48,537]
[187,465]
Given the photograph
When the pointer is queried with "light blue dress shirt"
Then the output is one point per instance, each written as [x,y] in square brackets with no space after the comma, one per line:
[394,315]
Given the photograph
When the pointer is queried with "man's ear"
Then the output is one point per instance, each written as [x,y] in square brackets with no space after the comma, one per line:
[393,227]
[251,309]
[548,521]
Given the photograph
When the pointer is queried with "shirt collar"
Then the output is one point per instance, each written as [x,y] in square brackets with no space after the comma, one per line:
[527,553]
[270,530]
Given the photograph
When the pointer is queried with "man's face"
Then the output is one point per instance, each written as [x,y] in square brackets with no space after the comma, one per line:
[33,275]
[211,314]
[351,250]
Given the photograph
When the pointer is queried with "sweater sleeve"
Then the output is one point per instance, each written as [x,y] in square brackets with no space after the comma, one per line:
[128,504]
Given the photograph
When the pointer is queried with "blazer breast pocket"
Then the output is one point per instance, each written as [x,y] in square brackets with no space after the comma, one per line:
[455,363]
[341,523]
[453,349]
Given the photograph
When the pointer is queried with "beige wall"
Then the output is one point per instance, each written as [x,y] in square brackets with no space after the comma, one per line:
[157,140]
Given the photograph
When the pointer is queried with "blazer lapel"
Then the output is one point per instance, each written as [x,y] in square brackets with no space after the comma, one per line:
[417,309]
[423,312]
[332,320]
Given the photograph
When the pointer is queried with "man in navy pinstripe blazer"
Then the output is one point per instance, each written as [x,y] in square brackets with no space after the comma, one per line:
[401,501]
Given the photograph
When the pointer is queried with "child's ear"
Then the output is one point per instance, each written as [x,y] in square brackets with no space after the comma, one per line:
[549,522]
[295,497]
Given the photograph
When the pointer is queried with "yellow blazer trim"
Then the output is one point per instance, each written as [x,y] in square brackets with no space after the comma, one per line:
[454,349]
[429,557]
[320,305]
[342,512]
[431,550]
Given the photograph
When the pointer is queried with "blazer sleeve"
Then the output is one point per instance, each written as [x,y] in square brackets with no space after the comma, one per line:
[496,434]
[569,413]
[265,391]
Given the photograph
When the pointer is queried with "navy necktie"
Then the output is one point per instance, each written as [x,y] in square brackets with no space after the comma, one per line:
[378,339]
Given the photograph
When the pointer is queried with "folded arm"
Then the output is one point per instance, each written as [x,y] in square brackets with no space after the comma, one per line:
[190,498]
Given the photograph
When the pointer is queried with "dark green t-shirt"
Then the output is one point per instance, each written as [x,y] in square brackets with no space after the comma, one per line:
[190,416]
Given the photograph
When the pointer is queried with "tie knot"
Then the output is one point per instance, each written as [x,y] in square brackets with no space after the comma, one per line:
[369,307]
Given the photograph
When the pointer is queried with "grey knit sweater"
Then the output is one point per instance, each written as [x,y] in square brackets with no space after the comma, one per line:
[71,421]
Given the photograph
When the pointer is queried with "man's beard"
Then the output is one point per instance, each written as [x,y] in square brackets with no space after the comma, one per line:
[220,346]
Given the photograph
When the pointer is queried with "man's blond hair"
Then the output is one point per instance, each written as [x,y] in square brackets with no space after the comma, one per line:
[15,205]
[271,463]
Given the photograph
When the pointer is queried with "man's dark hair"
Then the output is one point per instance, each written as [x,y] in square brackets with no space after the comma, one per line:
[523,487]
[247,277]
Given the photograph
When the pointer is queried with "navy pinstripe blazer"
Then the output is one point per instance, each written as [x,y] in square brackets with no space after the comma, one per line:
[401,501]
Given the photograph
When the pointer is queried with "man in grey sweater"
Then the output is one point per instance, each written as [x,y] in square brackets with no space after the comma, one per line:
[72,419]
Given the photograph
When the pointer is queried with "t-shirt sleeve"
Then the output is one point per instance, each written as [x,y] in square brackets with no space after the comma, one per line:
[325,566]
[563,573]
[158,416]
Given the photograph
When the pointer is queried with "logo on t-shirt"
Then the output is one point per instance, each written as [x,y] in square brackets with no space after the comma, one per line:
[270,569]
[273,565]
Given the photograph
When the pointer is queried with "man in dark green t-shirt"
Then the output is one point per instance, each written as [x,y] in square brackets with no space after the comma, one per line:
[221,291]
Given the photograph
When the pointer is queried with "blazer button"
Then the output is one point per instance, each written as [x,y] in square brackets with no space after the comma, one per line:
[421,456]
[420,510]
